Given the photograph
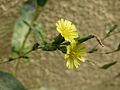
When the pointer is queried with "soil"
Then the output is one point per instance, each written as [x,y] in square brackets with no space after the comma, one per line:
[49,68]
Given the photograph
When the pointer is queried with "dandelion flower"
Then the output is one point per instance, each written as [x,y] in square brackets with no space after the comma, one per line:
[74,55]
[67,30]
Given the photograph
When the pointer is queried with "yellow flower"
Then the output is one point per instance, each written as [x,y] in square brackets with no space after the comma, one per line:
[67,30]
[74,55]
[75,51]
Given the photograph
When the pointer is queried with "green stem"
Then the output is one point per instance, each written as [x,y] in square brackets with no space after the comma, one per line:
[38,35]
[24,42]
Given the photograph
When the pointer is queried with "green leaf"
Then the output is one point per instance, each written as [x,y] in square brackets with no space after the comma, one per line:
[40,37]
[21,30]
[85,38]
[118,48]
[106,66]
[111,30]
[9,82]
[41,2]
[110,52]
[93,50]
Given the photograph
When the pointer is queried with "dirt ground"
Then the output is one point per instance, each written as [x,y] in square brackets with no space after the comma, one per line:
[48,68]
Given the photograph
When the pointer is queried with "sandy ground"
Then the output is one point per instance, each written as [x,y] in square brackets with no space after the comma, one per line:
[48,68]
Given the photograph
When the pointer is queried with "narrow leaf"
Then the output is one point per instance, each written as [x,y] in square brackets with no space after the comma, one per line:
[85,38]
[41,2]
[111,30]
[106,66]
[110,52]
[118,48]
[93,50]
[39,37]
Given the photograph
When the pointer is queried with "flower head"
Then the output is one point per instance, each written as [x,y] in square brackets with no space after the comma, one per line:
[67,30]
[74,55]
